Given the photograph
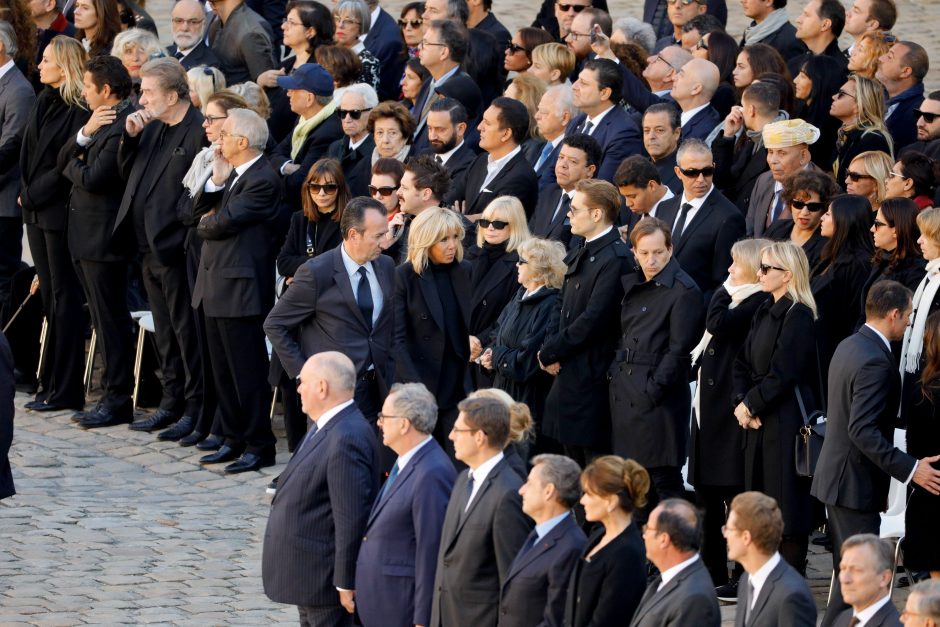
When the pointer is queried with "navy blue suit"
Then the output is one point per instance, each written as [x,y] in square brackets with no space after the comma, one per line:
[319,514]
[398,556]
[902,123]
[701,124]
[536,587]
[618,136]
[385,42]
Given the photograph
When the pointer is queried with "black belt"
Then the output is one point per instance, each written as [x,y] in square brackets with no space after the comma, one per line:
[628,356]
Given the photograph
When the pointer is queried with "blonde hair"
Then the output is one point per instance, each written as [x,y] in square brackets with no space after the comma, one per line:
[557,57]
[511,208]
[874,46]
[530,89]
[70,56]
[546,260]
[791,258]
[430,227]
[255,97]
[521,425]
[136,38]
[877,165]
[205,81]
[870,100]
[747,252]
[928,221]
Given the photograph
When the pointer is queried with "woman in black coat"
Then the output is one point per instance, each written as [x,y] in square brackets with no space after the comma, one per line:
[56,117]
[776,366]
[807,193]
[500,231]
[716,457]
[609,580]
[860,106]
[532,314]
[432,314]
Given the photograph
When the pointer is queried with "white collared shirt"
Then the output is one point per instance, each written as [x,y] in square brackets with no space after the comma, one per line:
[696,205]
[329,414]
[595,122]
[600,235]
[444,156]
[404,459]
[670,573]
[866,615]
[212,187]
[6,67]
[669,194]
[685,116]
[757,579]
[352,269]
[480,473]
[493,168]
[353,146]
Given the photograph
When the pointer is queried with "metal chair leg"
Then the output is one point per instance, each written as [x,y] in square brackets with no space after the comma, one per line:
[42,345]
[273,402]
[90,360]
[138,359]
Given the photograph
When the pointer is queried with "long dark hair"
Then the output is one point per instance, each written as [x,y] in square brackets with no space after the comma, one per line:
[325,169]
[763,59]
[316,16]
[723,51]
[930,377]
[923,171]
[109,25]
[827,76]
[851,218]
[901,214]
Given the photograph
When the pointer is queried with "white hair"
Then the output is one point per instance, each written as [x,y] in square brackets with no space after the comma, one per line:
[251,125]
[8,38]
[136,37]
[564,100]
[368,94]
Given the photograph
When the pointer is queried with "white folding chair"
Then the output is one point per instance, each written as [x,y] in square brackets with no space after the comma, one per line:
[892,520]
[145,323]
[90,360]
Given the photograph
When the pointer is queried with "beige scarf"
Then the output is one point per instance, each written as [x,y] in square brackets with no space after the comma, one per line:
[304,128]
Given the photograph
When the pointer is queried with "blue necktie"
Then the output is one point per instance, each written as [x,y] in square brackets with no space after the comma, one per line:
[388,482]
[546,151]
[311,431]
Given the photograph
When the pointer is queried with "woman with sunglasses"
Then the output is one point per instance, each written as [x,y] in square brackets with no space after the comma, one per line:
[411,25]
[776,372]
[352,19]
[493,256]
[866,176]
[518,57]
[807,193]
[914,176]
[860,106]
[818,80]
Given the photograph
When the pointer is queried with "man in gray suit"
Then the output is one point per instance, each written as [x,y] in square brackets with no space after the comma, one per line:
[16,101]
[865,577]
[683,593]
[240,41]
[484,527]
[858,458]
[770,592]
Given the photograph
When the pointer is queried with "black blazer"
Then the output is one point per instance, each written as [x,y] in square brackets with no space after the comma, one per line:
[536,588]
[909,272]
[784,41]
[704,247]
[166,169]
[737,166]
[541,223]
[457,167]
[784,599]
[96,194]
[618,136]
[200,54]
[855,143]
[385,42]
[7,410]
[333,477]
[606,590]
[517,178]
[43,189]
[356,178]
[887,616]
[667,173]
[314,147]
[688,599]
[833,287]
[323,234]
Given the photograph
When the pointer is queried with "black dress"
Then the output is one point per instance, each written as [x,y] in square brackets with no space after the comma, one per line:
[851,145]
[836,287]
[921,545]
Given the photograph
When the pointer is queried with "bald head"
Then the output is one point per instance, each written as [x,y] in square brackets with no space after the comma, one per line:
[695,84]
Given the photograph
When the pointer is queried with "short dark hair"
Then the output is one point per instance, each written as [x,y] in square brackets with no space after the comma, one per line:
[458,113]
[455,36]
[389,167]
[779,4]
[916,58]
[608,76]
[705,24]
[684,534]
[810,181]
[107,70]
[489,416]
[834,11]
[636,171]
[884,297]
[354,216]
[934,95]
[601,18]
[764,95]
[885,12]
[587,144]
[672,113]
[514,116]
[429,174]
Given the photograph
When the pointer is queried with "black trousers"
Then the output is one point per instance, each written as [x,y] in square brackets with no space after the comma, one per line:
[105,285]
[716,502]
[239,368]
[63,367]
[11,253]
[369,401]
[175,330]
[325,616]
[844,523]
[295,420]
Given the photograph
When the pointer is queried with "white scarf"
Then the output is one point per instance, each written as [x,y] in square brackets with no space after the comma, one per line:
[200,171]
[914,334]
[738,294]
[758,32]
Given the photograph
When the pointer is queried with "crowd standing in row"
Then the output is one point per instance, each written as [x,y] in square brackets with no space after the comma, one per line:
[500,251]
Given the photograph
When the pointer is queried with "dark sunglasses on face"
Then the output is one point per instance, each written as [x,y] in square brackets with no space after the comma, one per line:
[329,188]
[412,23]
[353,113]
[694,173]
[577,8]
[928,117]
[815,207]
[764,268]
[499,225]
[855,177]
[879,224]
[513,49]
[382,191]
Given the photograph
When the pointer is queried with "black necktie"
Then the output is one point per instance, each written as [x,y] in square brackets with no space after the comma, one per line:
[588,125]
[364,296]
[562,207]
[179,54]
[680,223]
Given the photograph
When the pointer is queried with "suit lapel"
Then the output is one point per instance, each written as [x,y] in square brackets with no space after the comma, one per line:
[454,511]
[545,544]
[171,142]
[400,480]
[341,278]
[765,591]
[431,297]
[700,216]
[307,449]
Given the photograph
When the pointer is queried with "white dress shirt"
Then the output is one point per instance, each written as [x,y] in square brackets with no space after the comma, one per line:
[480,473]
[670,573]
[758,578]
[444,156]
[669,194]
[696,205]
[600,235]
[404,459]
[212,187]
[685,116]
[865,616]
[493,168]
[595,121]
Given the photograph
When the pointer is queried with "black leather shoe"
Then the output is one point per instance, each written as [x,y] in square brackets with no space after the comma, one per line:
[225,454]
[48,407]
[181,429]
[250,461]
[192,439]
[105,417]
[211,443]
[161,419]
[34,404]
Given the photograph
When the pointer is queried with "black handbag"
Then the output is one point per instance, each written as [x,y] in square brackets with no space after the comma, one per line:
[809,440]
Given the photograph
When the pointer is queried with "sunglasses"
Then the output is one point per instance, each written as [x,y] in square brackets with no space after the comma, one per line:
[329,188]
[577,8]
[513,49]
[890,38]
[812,206]
[897,174]
[694,173]
[855,177]
[382,191]
[412,23]
[879,224]
[353,113]
[764,268]
[928,117]
[499,225]
[684,3]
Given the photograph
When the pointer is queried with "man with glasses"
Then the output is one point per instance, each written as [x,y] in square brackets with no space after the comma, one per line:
[679,12]
[579,37]
[403,534]
[188,22]
[922,608]
[240,41]
[928,127]
[902,70]
[356,144]
[769,25]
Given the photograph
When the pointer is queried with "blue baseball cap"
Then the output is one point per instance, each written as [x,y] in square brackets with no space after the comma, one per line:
[310,77]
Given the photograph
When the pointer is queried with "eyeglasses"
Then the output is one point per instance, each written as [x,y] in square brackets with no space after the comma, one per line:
[650,528]
[196,21]
[499,225]
[384,417]
[702,44]
[575,36]
[456,430]
[928,117]
[353,113]
[842,93]
[214,118]
[812,206]
[897,174]
[223,134]
[382,191]
[513,49]
[855,177]
[660,57]
[343,22]
[329,188]
[890,38]
[431,43]
[684,3]
[725,529]
[573,210]
[764,268]
[694,173]
[577,8]
[879,224]
[522,262]
[290,22]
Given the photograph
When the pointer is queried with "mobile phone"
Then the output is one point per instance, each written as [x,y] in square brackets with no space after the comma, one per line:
[594,33]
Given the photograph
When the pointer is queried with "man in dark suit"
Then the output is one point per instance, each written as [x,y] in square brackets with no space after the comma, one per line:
[865,576]
[385,42]
[341,301]
[357,143]
[188,23]
[682,594]
[655,13]
[770,592]
[704,223]
[157,148]
[578,158]
[643,192]
[7,410]
[818,27]
[555,111]
[662,128]
[310,90]
[484,527]
[503,169]
[235,286]
[902,70]
[858,458]
[89,160]
[446,131]
[398,556]
[536,587]
[692,89]
[240,41]
[321,508]
[769,25]
[596,94]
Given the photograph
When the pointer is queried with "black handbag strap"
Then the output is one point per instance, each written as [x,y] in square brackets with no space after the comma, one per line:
[819,380]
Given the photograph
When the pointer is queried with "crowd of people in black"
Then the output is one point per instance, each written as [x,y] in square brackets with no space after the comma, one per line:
[473,250]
